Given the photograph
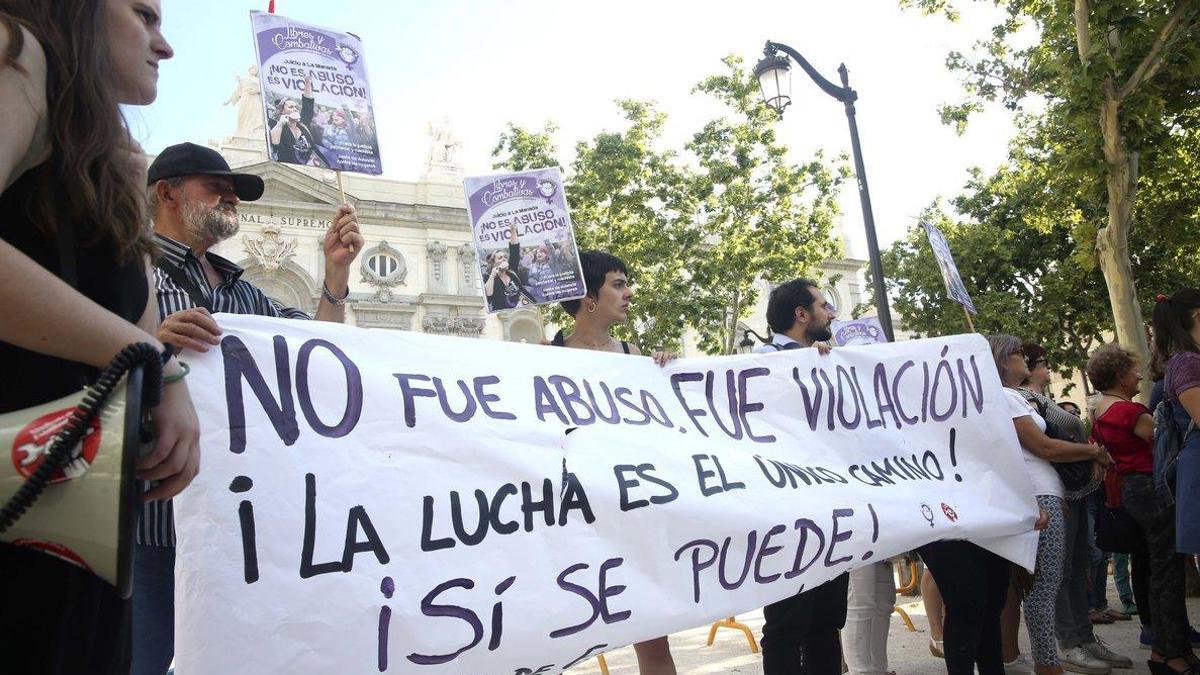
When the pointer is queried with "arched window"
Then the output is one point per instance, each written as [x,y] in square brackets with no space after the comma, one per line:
[831,296]
[383,264]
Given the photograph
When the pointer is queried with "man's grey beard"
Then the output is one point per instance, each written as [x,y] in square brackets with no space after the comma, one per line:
[210,224]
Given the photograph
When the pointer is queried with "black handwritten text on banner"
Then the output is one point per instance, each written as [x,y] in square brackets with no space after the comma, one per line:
[377,501]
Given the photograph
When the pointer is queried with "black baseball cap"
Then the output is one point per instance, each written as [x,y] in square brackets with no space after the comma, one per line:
[189,159]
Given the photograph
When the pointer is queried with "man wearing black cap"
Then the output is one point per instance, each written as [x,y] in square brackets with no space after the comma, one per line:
[193,200]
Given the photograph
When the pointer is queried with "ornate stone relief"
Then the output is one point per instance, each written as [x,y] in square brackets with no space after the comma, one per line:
[467,267]
[462,326]
[269,248]
[437,266]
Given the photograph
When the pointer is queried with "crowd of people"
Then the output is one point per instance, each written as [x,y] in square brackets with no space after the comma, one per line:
[306,132]
[518,276]
[1070,584]
[82,277]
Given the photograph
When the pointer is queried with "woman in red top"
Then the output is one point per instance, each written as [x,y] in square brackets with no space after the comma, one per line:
[1126,428]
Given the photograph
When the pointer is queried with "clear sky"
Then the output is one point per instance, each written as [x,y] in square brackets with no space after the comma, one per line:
[484,64]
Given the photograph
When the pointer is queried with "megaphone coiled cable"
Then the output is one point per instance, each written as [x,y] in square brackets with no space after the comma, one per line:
[97,395]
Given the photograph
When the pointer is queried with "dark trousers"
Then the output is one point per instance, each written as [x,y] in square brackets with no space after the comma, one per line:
[974,583]
[1139,576]
[1071,622]
[153,609]
[800,635]
[1168,614]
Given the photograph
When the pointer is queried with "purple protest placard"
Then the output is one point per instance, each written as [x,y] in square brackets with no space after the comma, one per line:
[524,238]
[941,252]
[864,331]
[316,97]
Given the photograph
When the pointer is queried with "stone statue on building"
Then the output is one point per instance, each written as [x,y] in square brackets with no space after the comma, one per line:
[247,96]
[443,150]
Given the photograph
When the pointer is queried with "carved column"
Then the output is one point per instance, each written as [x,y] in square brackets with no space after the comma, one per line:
[436,254]
[469,278]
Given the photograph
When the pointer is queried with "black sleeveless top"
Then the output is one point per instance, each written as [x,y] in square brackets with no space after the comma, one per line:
[28,378]
[560,341]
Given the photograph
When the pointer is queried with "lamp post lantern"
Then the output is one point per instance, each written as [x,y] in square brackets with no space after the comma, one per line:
[775,81]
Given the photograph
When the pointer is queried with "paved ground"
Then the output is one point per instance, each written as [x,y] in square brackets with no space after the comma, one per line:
[908,652]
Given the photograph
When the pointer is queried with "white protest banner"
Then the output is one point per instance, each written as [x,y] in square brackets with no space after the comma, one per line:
[955,288]
[377,501]
[316,97]
[524,238]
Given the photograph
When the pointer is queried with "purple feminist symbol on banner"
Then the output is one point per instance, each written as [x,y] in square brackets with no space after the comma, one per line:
[547,189]
[347,54]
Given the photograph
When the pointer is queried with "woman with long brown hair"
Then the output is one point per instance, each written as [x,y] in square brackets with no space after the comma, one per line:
[74,284]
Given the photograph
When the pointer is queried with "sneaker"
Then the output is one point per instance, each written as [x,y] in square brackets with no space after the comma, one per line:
[1019,666]
[1101,651]
[1129,608]
[1079,660]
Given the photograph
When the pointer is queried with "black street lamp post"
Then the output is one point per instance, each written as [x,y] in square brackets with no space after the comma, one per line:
[774,79]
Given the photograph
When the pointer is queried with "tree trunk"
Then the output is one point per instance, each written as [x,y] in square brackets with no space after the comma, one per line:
[731,336]
[1112,240]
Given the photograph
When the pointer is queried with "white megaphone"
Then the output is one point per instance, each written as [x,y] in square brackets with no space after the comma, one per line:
[87,511]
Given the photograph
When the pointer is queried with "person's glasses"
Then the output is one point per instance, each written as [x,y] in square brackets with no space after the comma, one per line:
[829,307]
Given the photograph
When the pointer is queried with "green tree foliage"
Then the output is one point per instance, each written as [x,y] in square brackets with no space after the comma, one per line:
[696,227]
[1018,249]
[1034,296]
[1115,85]
[761,214]
[520,149]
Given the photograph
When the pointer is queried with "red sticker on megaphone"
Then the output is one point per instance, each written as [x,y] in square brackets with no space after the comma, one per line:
[57,550]
[33,442]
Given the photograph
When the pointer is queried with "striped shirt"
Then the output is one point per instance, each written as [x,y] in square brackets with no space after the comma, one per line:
[232,295]
[1057,415]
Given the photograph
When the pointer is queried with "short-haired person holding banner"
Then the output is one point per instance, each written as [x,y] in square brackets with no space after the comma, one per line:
[800,634]
[194,197]
[606,305]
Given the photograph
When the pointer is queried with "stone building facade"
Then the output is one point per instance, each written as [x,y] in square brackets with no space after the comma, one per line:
[418,269]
